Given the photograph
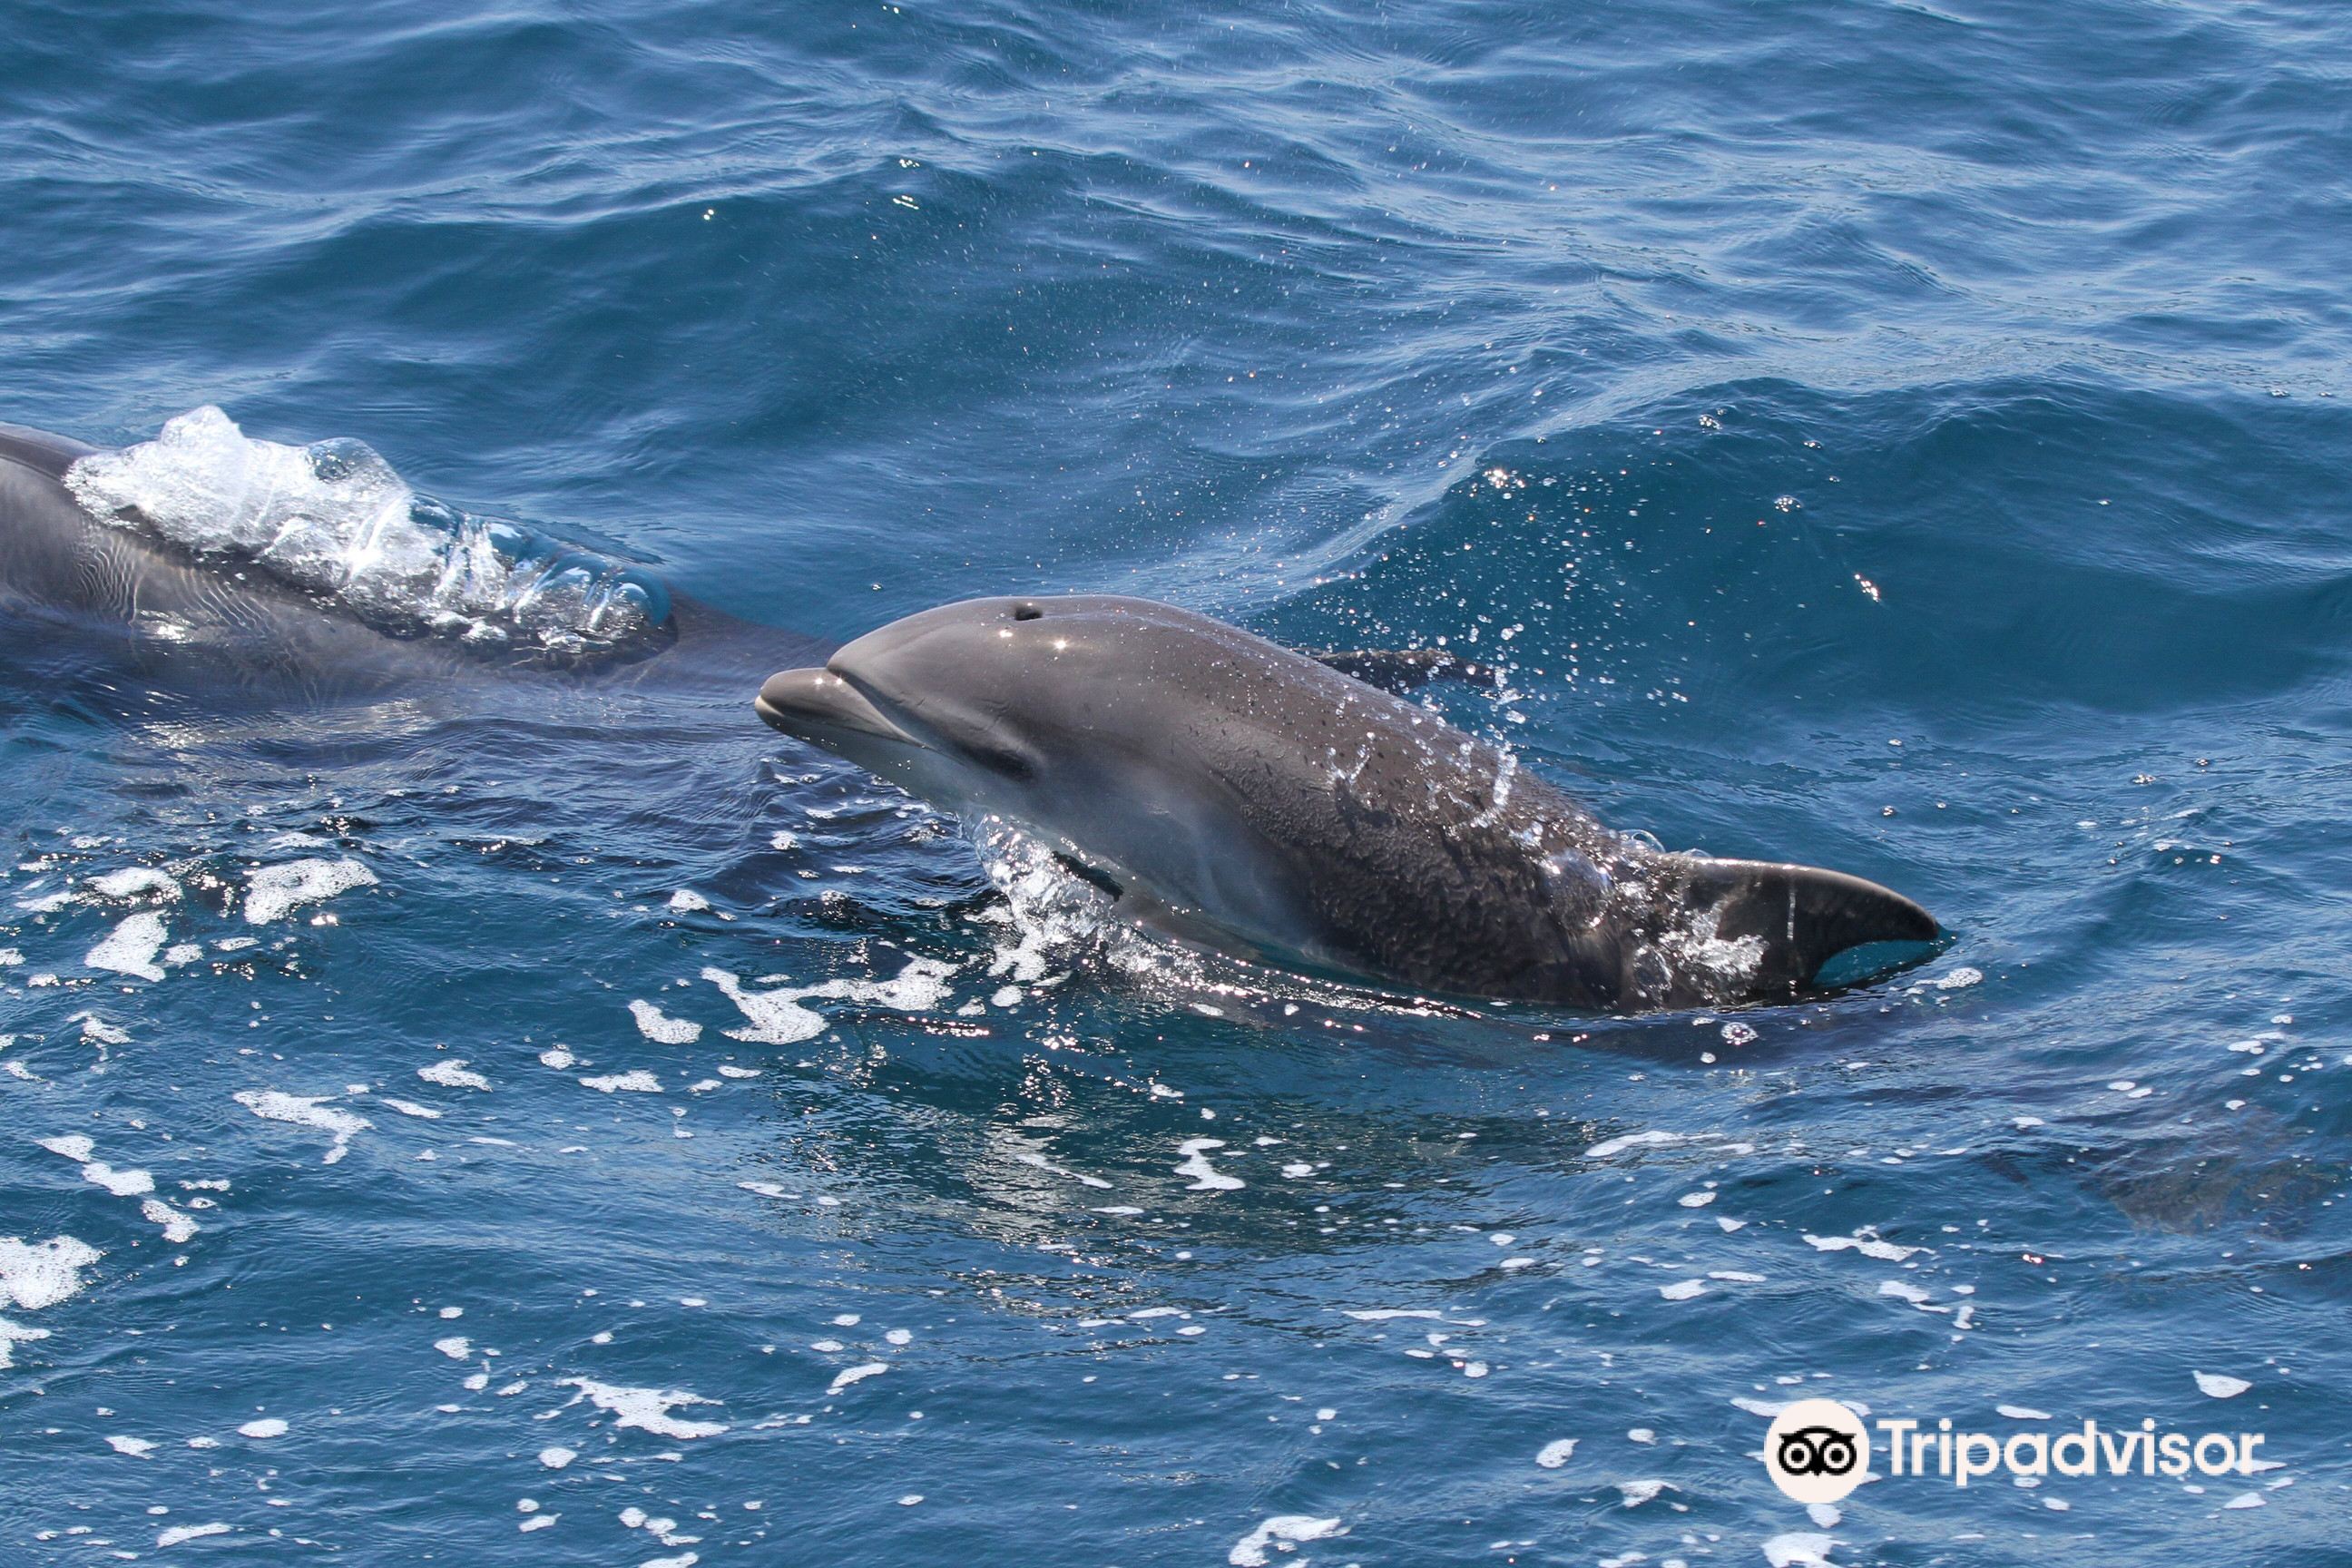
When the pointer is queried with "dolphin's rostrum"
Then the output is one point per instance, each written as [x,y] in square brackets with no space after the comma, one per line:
[1252,799]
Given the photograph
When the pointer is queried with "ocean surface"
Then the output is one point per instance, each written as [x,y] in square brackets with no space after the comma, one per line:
[562,1124]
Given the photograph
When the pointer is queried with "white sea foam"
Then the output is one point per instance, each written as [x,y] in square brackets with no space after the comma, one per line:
[1868,1246]
[306,1111]
[34,1274]
[661,1028]
[132,880]
[646,1409]
[1195,1163]
[1292,1529]
[97,1173]
[857,1374]
[11,1336]
[775,1016]
[637,1081]
[98,1031]
[1618,1145]
[771,1017]
[450,1072]
[131,948]
[175,1534]
[274,891]
[1798,1549]
[1555,1452]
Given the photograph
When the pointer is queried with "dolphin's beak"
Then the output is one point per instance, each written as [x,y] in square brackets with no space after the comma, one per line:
[814,704]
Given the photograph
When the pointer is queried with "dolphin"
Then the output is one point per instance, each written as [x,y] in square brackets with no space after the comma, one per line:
[69,581]
[162,620]
[1244,797]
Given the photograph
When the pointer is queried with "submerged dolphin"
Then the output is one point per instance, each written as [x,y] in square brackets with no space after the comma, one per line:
[285,603]
[1255,800]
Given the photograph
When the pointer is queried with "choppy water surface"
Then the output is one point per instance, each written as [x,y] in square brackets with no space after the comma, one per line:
[581,1127]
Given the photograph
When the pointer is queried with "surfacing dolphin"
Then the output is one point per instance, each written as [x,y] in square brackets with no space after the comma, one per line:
[207,565]
[1253,800]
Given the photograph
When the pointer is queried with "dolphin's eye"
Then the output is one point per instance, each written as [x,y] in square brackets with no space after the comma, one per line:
[1026,611]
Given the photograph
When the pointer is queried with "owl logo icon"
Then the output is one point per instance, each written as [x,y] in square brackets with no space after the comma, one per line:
[1817,1451]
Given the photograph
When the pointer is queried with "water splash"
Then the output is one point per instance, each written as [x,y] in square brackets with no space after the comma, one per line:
[1054,918]
[334,518]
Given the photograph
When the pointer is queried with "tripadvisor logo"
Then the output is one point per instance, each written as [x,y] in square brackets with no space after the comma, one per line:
[1817,1451]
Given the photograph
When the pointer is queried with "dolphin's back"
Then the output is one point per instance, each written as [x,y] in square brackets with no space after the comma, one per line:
[1424,853]
[1413,850]
[41,451]
[52,552]
[155,619]
[58,560]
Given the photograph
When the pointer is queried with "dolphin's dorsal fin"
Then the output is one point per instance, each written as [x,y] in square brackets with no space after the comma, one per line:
[1401,671]
[1806,916]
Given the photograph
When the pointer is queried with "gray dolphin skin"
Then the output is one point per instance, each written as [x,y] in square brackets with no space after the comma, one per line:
[1253,800]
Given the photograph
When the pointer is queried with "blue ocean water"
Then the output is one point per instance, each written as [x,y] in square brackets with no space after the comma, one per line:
[1900,437]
